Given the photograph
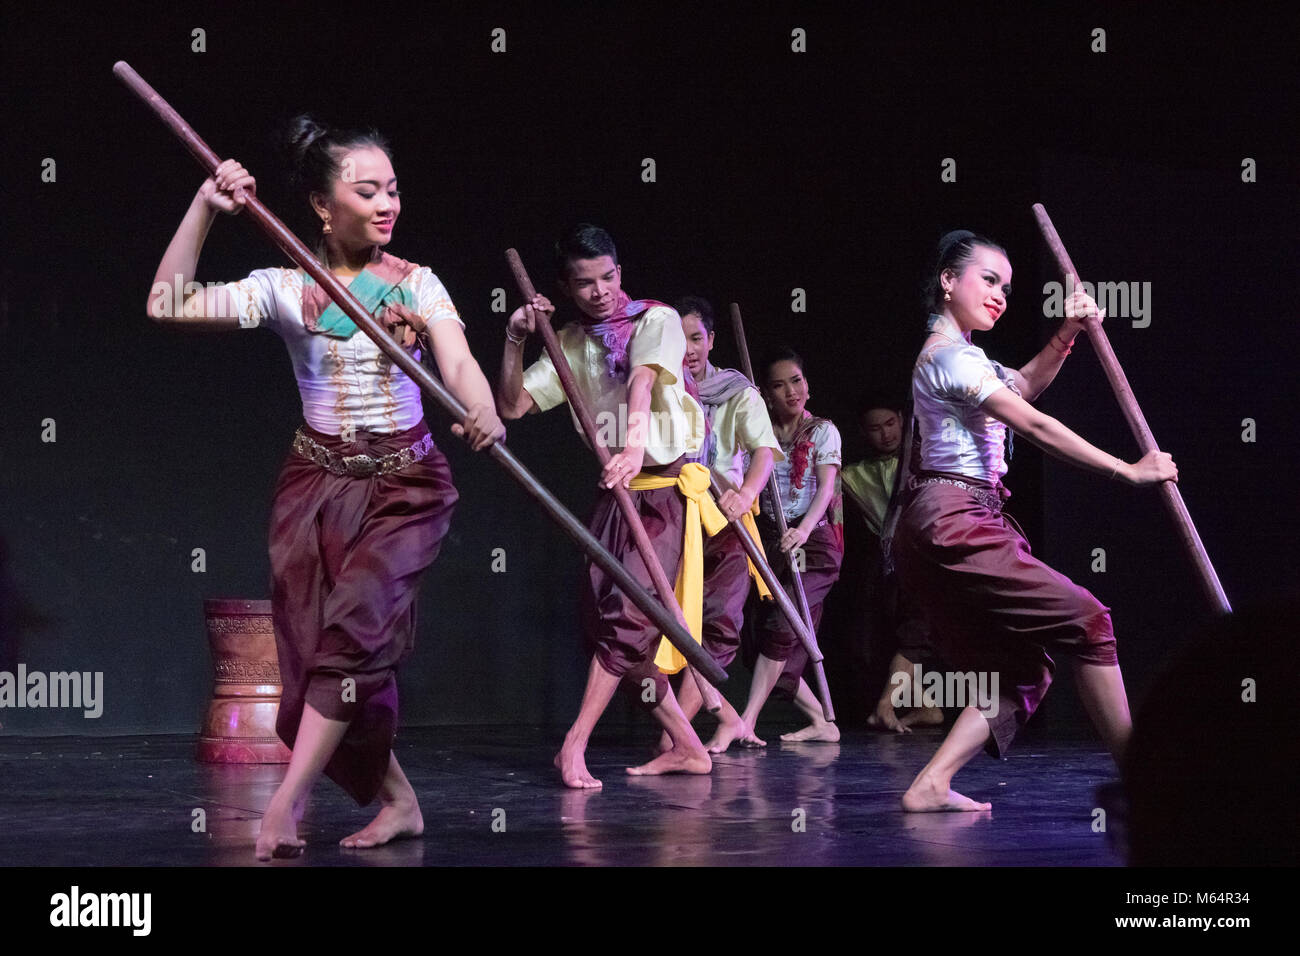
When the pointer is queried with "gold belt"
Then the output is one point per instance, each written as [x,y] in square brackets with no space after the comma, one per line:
[360,466]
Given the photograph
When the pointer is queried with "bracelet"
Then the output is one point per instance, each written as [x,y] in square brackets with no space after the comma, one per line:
[1115,471]
[1069,346]
[515,341]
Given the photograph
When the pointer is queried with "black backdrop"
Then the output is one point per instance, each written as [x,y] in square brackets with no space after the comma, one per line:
[775,170]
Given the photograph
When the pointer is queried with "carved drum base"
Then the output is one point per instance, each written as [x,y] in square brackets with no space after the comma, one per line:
[240,723]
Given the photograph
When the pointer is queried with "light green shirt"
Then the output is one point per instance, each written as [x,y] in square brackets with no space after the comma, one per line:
[869,484]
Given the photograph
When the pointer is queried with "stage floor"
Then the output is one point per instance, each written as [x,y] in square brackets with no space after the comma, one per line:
[491,798]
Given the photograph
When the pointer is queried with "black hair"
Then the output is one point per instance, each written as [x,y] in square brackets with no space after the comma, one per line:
[782,354]
[955,252]
[700,306]
[313,151]
[583,241]
[878,398]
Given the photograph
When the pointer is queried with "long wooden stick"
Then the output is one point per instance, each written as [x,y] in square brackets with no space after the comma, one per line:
[755,552]
[578,402]
[1137,422]
[808,636]
[300,254]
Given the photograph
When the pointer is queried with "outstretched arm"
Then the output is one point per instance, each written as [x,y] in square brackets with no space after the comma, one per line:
[1057,440]
[468,383]
[212,307]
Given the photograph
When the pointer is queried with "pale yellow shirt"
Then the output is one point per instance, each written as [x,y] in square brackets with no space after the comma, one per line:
[676,425]
[741,426]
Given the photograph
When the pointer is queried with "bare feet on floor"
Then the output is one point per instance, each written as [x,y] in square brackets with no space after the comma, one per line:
[885,718]
[394,821]
[926,797]
[572,764]
[728,731]
[750,739]
[678,760]
[278,836]
[924,717]
[819,730]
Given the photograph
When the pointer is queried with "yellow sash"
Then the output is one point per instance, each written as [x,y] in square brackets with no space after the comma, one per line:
[702,516]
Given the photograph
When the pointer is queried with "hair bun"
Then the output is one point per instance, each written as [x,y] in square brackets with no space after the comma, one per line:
[302,132]
[951,239]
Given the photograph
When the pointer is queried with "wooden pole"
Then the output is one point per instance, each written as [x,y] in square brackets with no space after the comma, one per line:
[756,555]
[300,254]
[1169,492]
[808,636]
[582,411]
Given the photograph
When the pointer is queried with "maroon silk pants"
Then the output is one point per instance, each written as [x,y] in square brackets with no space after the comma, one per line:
[346,558]
[623,639]
[993,606]
[775,638]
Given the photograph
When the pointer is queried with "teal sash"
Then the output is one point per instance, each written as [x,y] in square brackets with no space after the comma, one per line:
[372,290]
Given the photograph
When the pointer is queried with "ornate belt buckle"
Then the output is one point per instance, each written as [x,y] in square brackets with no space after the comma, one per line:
[360,466]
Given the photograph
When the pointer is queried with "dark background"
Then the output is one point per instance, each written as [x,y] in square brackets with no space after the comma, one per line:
[775,170]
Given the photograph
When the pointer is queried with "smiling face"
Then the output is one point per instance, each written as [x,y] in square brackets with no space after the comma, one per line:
[883,429]
[364,203]
[979,293]
[594,286]
[699,343]
[787,389]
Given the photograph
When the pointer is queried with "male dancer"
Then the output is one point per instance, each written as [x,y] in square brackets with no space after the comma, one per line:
[739,449]
[627,360]
[891,619]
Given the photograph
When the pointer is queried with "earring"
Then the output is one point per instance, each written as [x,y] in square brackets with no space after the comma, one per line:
[325,229]
[947,296]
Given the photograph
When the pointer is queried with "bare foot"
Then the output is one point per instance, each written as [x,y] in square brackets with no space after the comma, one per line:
[886,719]
[750,739]
[665,743]
[818,730]
[393,822]
[572,765]
[677,760]
[728,730]
[924,797]
[278,836]
[924,717]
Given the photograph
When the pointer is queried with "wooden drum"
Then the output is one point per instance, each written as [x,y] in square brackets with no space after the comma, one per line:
[240,723]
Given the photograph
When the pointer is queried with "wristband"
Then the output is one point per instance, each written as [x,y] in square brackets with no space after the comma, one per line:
[1069,346]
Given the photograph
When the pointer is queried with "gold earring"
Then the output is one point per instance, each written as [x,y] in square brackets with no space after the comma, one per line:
[325,229]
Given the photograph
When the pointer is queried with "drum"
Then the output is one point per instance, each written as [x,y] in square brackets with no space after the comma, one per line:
[240,722]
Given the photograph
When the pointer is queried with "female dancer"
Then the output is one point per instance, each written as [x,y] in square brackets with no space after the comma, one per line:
[808,479]
[996,608]
[364,498]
